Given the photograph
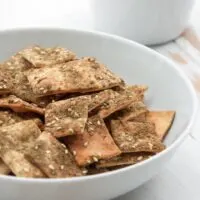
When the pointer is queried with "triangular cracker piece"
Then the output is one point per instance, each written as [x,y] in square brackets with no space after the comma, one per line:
[97,99]
[52,157]
[18,105]
[67,117]
[116,102]
[133,111]
[14,141]
[4,169]
[123,160]
[94,144]
[74,76]
[136,136]
[20,166]
[162,120]
[40,57]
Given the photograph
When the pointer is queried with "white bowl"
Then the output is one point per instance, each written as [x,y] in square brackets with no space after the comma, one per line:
[168,89]
[147,22]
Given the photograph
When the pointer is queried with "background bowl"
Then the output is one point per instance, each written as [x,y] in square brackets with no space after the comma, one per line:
[168,89]
[147,22]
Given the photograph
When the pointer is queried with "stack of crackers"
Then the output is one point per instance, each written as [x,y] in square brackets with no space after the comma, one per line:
[61,116]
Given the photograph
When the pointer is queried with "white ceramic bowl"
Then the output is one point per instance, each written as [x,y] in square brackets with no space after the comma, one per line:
[168,89]
[147,22]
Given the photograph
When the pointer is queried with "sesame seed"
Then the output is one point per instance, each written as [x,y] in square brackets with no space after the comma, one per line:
[47,151]
[56,118]
[66,151]
[85,144]
[140,158]
[36,147]
[53,122]
[150,146]
[88,161]
[122,145]
[15,100]
[91,129]
[63,145]
[129,139]
[51,167]
[71,131]
[95,159]
[98,122]
[69,109]
[26,169]
[76,114]
[74,152]
[59,128]
[42,52]
[41,88]
[62,167]
[85,171]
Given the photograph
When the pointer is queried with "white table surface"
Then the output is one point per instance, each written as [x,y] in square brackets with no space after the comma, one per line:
[180,180]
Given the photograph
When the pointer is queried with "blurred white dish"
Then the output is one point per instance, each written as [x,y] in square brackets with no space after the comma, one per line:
[147,22]
[168,89]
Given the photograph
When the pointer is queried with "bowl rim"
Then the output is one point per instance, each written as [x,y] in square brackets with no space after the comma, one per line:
[118,171]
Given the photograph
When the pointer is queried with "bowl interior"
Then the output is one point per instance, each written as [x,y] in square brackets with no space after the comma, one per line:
[134,63]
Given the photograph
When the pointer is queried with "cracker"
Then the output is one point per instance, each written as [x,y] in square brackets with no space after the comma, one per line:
[67,117]
[123,160]
[97,99]
[52,157]
[20,166]
[41,57]
[139,90]
[15,64]
[117,101]
[4,169]
[14,141]
[94,144]
[133,111]
[74,76]
[18,105]
[163,120]
[136,136]
[140,118]
[18,136]
[6,82]
[18,82]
